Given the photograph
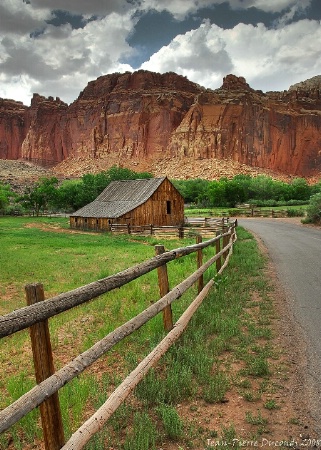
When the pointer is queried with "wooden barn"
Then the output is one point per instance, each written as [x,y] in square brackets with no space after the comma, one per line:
[153,201]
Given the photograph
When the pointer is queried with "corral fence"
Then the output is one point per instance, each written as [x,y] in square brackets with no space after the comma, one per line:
[204,226]
[246,210]
[257,212]
[35,317]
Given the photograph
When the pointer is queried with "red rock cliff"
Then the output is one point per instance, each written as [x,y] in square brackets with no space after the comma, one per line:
[47,140]
[280,131]
[146,115]
[13,128]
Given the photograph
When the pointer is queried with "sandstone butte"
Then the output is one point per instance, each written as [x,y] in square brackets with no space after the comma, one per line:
[147,120]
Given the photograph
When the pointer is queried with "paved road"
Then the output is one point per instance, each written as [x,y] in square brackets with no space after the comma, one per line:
[296,253]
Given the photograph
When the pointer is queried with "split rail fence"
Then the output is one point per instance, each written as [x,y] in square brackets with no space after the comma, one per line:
[204,226]
[35,317]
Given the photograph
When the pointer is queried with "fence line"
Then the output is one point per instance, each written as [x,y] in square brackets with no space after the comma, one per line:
[29,315]
[204,226]
[40,312]
[100,417]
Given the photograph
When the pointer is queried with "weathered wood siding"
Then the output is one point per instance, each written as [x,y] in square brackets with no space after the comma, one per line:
[164,207]
[90,223]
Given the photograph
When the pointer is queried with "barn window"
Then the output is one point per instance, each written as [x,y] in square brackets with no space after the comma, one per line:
[76,219]
[168,207]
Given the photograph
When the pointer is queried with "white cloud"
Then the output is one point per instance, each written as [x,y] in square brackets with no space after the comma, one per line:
[61,60]
[181,8]
[207,54]
[17,89]
[198,54]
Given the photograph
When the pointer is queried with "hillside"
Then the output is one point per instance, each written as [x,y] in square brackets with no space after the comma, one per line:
[21,174]
[165,124]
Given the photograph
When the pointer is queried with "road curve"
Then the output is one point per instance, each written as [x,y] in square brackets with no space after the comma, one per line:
[295,251]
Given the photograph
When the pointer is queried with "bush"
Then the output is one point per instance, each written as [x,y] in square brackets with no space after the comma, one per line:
[314,209]
[295,212]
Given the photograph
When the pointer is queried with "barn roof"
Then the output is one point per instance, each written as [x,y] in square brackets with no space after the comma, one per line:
[120,197]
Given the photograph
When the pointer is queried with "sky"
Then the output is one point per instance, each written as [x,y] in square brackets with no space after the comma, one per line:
[55,47]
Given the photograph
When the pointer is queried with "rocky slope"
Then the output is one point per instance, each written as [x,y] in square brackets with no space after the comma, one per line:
[21,174]
[165,123]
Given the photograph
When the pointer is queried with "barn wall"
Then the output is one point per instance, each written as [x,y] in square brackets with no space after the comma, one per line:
[156,210]
[89,223]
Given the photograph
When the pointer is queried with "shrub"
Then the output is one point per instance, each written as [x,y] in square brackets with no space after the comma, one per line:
[314,209]
[295,212]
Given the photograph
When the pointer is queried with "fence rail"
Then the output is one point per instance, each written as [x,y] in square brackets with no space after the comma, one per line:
[36,316]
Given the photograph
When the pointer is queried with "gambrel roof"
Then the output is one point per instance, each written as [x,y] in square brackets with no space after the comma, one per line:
[120,197]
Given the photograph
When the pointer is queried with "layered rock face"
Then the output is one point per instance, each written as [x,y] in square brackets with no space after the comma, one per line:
[146,116]
[13,128]
[278,131]
[47,140]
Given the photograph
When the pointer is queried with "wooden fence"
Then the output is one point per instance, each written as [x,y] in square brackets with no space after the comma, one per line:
[36,315]
[204,226]
[258,212]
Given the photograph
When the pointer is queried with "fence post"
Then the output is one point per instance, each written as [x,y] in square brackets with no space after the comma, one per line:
[218,249]
[199,263]
[181,232]
[225,242]
[164,289]
[51,419]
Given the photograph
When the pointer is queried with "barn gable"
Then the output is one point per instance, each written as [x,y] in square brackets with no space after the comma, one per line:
[140,202]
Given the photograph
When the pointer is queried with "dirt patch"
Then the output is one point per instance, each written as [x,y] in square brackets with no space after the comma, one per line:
[56,228]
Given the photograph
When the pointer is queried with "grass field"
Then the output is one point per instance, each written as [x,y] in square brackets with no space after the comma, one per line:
[226,351]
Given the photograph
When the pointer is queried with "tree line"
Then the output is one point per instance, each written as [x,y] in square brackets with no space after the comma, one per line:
[259,191]
[70,195]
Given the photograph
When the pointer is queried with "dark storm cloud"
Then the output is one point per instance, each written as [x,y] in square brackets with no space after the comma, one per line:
[85,7]
[19,18]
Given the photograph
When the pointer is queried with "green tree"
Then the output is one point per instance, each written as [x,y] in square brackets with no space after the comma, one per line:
[193,191]
[315,188]
[6,194]
[73,194]
[300,190]
[235,192]
[42,195]
[281,191]
[69,195]
[261,188]
[216,193]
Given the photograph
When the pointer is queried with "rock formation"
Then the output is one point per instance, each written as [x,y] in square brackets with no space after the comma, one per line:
[142,118]
[13,128]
